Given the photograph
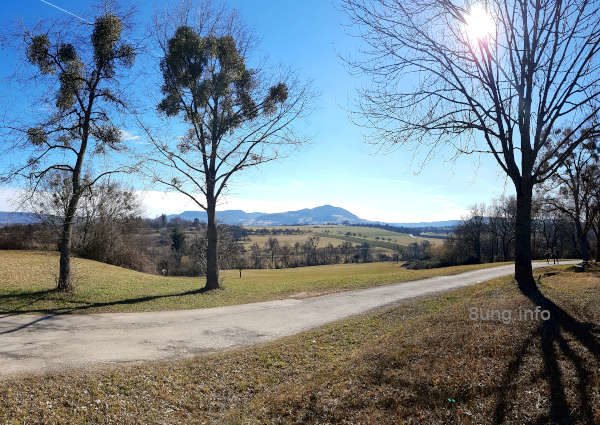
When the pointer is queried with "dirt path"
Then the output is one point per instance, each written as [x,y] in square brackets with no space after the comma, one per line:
[33,344]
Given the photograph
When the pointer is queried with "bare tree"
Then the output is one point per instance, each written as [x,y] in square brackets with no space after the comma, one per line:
[492,77]
[571,191]
[273,247]
[235,118]
[79,129]
[504,211]
[596,222]
[102,209]
[550,223]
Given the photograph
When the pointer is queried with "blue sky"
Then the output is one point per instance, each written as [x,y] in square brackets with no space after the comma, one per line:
[337,167]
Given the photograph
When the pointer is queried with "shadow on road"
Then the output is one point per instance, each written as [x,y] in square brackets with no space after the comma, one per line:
[29,298]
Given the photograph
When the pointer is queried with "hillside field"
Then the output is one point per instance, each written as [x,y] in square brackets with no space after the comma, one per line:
[27,280]
[381,240]
[292,239]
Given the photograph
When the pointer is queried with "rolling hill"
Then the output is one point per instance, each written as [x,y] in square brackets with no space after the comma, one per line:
[325,214]
[9,218]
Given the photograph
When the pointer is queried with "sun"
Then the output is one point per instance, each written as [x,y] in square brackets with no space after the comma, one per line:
[479,25]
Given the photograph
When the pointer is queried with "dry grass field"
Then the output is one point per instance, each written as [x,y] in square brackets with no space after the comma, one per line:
[27,280]
[421,362]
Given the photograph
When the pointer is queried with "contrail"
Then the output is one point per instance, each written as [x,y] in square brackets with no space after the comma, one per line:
[65,11]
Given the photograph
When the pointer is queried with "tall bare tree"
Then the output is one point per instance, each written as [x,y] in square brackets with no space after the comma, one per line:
[571,191]
[234,117]
[78,131]
[596,223]
[492,77]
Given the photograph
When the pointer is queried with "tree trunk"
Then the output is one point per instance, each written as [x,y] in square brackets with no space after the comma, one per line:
[534,248]
[65,283]
[212,237]
[583,243]
[598,247]
[523,269]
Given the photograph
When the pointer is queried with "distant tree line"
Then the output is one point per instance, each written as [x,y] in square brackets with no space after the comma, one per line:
[275,231]
[308,253]
[487,235]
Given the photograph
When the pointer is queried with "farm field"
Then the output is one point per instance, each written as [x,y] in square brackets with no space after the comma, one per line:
[384,240]
[381,241]
[372,235]
[399,355]
[27,282]
[293,239]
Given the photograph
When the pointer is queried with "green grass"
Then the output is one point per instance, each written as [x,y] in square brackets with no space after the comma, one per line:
[423,362]
[27,280]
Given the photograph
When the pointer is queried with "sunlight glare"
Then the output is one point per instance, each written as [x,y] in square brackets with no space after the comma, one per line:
[478,23]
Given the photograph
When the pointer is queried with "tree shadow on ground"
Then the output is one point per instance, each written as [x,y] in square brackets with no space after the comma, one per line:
[562,336]
[563,352]
[28,298]
[32,297]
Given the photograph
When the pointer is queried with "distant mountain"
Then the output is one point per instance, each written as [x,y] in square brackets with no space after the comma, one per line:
[8,218]
[325,214]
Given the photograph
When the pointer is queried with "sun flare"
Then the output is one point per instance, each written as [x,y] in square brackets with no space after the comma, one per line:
[479,25]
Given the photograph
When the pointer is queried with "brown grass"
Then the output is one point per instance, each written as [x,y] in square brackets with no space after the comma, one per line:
[423,362]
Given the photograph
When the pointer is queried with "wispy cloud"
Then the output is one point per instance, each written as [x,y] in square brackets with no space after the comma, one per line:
[128,136]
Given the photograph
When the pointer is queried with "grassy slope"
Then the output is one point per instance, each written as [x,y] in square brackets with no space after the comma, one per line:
[424,362]
[26,279]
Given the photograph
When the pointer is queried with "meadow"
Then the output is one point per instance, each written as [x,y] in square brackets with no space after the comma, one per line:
[28,279]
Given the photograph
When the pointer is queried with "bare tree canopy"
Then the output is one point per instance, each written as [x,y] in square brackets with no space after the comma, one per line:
[571,190]
[77,129]
[491,77]
[234,116]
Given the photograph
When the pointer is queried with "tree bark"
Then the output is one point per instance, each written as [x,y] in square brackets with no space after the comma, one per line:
[212,237]
[583,243]
[65,283]
[598,247]
[523,269]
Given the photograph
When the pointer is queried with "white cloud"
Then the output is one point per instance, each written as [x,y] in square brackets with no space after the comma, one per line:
[128,136]
[10,199]
[155,202]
